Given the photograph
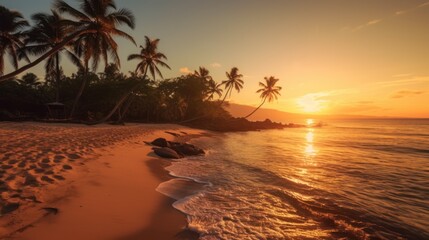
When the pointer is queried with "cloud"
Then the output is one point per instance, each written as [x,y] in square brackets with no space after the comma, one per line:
[372,22]
[376,21]
[406,81]
[401,12]
[423,5]
[215,65]
[358,107]
[406,11]
[406,93]
[402,75]
[185,70]
[367,24]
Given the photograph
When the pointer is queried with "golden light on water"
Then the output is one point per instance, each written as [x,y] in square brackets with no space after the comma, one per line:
[309,150]
[309,137]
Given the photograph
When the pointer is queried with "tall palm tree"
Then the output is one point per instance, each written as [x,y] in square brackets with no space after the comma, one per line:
[234,81]
[103,18]
[269,91]
[149,58]
[48,31]
[11,24]
[212,89]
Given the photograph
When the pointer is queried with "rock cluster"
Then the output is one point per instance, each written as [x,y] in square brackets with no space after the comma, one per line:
[175,150]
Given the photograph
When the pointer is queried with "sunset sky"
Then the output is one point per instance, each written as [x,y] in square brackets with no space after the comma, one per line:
[362,57]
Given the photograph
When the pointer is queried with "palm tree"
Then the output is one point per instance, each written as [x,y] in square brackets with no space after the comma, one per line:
[11,22]
[203,73]
[102,17]
[48,31]
[268,90]
[234,81]
[30,80]
[97,24]
[212,89]
[149,58]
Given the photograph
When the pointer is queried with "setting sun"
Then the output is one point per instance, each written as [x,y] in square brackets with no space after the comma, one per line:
[310,122]
[311,103]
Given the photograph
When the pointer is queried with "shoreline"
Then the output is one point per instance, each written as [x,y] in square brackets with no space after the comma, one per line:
[86,185]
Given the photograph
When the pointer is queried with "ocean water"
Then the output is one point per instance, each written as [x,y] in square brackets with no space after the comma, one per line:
[363,179]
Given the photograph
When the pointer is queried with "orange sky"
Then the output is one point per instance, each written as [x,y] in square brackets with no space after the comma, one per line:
[361,57]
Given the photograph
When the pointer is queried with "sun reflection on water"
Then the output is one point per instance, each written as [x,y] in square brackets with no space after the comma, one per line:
[309,136]
[309,150]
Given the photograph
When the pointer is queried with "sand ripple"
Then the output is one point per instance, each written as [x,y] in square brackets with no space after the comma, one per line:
[34,154]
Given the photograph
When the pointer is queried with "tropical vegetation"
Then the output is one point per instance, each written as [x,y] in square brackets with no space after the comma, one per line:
[86,36]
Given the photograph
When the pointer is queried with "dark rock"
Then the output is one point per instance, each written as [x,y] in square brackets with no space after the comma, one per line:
[186,149]
[160,142]
[9,207]
[166,152]
[237,124]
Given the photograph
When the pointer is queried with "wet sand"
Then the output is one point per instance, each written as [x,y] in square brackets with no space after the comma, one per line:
[101,179]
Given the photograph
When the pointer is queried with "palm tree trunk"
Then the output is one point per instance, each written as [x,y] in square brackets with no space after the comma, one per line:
[116,107]
[119,103]
[256,108]
[226,94]
[126,107]
[58,76]
[79,94]
[44,56]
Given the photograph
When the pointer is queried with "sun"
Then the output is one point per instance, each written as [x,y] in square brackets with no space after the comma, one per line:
[310,122]
[311,103]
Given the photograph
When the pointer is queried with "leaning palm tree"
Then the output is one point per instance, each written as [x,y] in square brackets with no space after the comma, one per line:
[48,31]
[269,91]
[212,89]
[234,81]
[102,17]
[149,58]
[11,24]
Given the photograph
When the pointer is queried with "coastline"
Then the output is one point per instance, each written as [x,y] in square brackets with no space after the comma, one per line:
[106,197]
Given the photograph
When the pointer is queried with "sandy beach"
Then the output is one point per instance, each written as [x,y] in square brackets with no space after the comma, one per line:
[61,181]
